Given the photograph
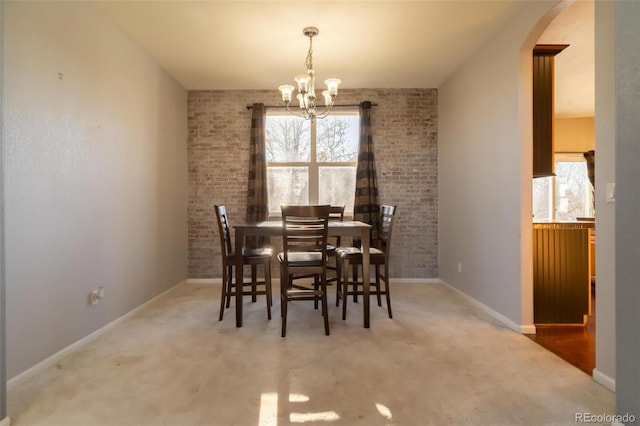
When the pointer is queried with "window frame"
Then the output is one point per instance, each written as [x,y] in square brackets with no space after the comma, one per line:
[313,165]
[566,157]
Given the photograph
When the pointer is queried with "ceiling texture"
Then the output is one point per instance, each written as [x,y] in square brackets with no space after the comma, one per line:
[222,45]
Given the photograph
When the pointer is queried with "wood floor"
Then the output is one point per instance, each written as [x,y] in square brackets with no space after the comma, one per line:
[575,344]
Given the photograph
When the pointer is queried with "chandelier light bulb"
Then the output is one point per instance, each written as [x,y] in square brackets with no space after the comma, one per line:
[328,100]
[303,83]
[286,90]
[332,85]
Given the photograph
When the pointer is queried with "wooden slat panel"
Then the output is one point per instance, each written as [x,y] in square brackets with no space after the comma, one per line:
[560,274]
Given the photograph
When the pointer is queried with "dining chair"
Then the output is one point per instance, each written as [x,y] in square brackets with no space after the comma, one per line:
[304,253]
[253,257]
[378,257]
[336,213]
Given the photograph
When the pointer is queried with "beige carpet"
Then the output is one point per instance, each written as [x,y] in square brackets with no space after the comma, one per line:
[440,361]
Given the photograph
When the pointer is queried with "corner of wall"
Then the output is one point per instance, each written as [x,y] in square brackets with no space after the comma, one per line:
[518,328]
[604,380]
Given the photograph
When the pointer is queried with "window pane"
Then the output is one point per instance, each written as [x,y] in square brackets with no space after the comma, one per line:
[287,185]
[337,186]
[338,138]
[288,139]
[542,198]
[573,190]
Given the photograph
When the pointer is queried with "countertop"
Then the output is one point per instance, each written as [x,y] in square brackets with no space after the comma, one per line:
[566,224]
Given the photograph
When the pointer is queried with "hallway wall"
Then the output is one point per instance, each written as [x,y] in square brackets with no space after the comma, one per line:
[95,176]
[485,168]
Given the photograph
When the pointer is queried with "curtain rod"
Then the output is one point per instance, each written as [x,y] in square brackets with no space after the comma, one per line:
[335,106]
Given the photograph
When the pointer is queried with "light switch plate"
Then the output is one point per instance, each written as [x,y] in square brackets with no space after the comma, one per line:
[610,190]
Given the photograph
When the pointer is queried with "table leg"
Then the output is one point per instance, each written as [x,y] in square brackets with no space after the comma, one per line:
[239,275]
[365,275]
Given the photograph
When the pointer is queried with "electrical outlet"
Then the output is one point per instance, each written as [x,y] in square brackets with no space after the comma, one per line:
[460,267]
[96,295]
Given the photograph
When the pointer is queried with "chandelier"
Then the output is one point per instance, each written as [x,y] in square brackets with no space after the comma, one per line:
[306,87]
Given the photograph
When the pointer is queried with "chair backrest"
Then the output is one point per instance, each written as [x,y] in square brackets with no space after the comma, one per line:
[336,213]
[387,216]
[224,229]
[305,230]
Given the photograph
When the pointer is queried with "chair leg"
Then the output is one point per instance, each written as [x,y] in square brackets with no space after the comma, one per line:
[325,310]
[284,281]
[267,283]
[229,284]
[316,286]
[254,278]
[223,296]
[338,279]
[345,288]
[387,292]
[355,280]
[378,285]
[388,299]
[283,303]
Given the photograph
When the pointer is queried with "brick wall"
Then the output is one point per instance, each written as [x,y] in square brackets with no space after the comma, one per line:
[405,137]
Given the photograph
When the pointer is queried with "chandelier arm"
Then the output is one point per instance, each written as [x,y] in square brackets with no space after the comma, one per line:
[297,114]
[324,113]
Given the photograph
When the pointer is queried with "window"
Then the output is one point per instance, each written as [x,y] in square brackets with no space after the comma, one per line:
[567,195]
[311,162]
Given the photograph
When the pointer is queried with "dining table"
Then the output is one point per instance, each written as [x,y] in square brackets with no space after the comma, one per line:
[273,228]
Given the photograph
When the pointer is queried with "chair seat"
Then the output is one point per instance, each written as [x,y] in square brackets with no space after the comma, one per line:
[265,252]
[258,252]
[303,259]
[354,254]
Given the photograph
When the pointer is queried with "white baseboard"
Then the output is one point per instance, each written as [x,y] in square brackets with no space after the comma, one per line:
[519,328]
[527,329]
[604,380]
[204,281]
[53,359]
[5,422]
[395,281]
[598,376]
[416,280]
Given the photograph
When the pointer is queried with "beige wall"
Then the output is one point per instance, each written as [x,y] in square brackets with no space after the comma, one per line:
[405,124]
[574,134]
[485,169]
[95,176]
[605,134]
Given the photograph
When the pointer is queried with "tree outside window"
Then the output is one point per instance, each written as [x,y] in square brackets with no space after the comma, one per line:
[567,195]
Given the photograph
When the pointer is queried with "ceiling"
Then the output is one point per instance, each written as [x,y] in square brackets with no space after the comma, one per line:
[208,45]
[574,66]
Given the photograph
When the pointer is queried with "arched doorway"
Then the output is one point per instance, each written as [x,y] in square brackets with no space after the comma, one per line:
[562,198]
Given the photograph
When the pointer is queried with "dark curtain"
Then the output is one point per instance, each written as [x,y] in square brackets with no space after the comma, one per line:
[590,156]
[257,200]
[366,206]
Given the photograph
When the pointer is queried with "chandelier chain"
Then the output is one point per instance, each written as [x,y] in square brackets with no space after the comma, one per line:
[309,61]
